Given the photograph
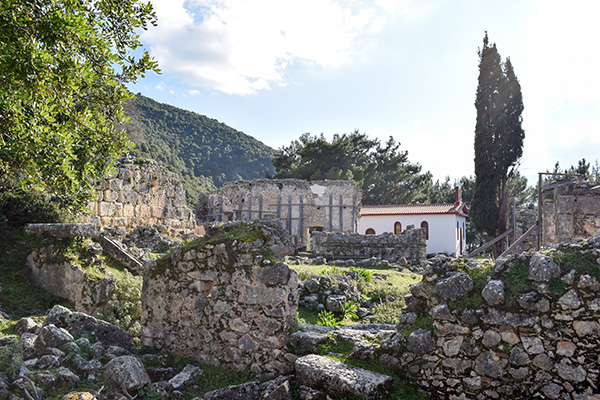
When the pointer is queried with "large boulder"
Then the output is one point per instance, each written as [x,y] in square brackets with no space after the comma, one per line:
[337,379]
[454,286]
[125,372]
[542,268]
[75,322]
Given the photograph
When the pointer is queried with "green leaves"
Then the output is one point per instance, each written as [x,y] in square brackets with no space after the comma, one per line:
[498,139]
[383,172]
[63,66]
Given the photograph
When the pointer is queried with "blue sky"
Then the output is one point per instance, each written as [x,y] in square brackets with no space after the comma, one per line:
[275,69]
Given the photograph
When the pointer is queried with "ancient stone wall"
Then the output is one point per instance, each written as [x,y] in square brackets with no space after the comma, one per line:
[409,245]
[223,301]
[571,210]
[141,193]
[529,330]
[300,206]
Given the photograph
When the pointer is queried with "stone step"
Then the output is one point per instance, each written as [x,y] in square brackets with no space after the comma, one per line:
[338,379]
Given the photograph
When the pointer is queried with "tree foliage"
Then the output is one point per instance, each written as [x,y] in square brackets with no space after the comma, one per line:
[498,139]
[382,171]
[205,152]
[63,66]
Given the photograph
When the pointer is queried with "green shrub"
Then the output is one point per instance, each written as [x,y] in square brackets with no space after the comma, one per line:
[364,273]
[349,310]
[19,207]
[327,318]
[124,309]
[11,357]
[516,281]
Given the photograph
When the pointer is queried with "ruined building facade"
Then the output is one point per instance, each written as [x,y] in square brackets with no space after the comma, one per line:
[570,210]
[300,206]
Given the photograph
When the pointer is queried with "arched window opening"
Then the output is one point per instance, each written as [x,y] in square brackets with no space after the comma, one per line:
[425,225]
[370,231]
[397,227]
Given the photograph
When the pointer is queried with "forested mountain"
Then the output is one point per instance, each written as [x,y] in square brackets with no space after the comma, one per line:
[205,152]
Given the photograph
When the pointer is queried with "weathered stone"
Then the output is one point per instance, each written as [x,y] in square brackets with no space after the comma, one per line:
[542,268]
[420,342]
[276,389]
[51,336]
[489,364]
[542,361]
[26,325]
[77,322]
[518,373]
[493,292]
[585,328]
[498,317]
[532,344]
[552,390]
[518,357]
[441,312]
[63,230]
[306,341]
[47,362]
[125,372]
[452,346]
[245,391]
[335,303]
[185,377]
[570,373]
[454,286]
[509,335]
[65,377]
[491,338]
[565,348]
[340,380]
[312,285]
[470,346]
[570,300]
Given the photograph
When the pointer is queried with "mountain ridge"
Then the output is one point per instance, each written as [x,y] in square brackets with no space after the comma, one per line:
[205,152]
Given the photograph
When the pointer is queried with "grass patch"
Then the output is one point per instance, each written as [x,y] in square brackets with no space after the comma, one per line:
[336,348]
[516,281]
[395,285]
[213,377]
[582,263]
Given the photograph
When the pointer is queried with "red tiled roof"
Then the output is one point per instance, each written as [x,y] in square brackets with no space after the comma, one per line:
[415,209]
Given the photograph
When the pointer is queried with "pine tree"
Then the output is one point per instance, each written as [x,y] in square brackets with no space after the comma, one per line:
[498,140]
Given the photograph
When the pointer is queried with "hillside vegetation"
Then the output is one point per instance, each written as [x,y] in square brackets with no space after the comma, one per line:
[205,152]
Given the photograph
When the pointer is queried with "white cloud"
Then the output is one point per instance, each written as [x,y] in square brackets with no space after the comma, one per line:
[241,47]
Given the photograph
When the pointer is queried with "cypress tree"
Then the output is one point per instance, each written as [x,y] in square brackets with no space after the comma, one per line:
[498,140]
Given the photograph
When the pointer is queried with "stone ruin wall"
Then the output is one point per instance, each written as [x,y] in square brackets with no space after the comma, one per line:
[548,347]
[141,194]
[571,210]
[409,245]
[223,304]
[299,205]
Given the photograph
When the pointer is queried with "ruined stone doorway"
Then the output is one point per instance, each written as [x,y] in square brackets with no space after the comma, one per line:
[311,229]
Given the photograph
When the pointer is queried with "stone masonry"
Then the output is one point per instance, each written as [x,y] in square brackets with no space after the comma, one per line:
[486,342]
[141,193]
[571,210]
[409,244]
[223,302]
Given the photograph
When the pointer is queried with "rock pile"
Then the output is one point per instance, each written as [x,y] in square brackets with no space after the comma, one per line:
[47,360]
